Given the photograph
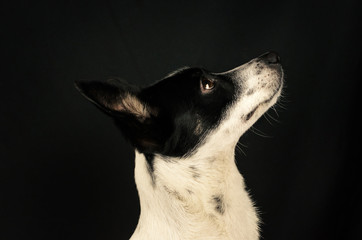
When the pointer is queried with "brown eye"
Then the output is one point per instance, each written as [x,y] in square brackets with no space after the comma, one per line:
[206,84]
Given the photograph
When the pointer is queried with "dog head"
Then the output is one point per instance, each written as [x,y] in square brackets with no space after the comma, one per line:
[176,115]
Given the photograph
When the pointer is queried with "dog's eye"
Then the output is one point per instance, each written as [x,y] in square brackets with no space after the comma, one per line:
[206,84]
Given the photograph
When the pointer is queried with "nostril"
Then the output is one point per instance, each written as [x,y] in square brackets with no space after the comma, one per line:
[270,57]
[273,57]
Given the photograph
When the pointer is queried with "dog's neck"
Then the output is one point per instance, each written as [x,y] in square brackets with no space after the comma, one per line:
[193,198]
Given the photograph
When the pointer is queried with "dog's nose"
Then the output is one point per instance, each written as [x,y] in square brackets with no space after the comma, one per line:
[270,57]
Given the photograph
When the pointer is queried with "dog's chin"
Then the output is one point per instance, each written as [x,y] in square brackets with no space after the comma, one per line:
[264,105]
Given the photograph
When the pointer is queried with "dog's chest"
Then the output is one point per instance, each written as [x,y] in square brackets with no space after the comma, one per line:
[192,201]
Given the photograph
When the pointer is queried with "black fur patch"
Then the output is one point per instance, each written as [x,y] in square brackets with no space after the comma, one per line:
[180,102]
[150,166]
[219,203]
[194,171]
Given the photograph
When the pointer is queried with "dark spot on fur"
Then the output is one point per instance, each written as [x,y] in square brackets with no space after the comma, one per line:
[150,166]
[251,91]
[189,191]
[174,194]
[194,171]
[258,69]
[219,203]
[196,175]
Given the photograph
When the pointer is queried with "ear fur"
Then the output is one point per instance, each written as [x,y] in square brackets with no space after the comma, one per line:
[114,97]
[119,100]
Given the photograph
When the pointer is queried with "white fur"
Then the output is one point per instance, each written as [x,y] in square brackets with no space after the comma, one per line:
[177,204]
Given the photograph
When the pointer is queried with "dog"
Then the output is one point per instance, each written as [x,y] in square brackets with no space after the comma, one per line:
[185,129]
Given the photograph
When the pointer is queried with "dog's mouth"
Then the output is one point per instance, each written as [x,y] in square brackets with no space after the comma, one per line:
[250,114]
[265,102]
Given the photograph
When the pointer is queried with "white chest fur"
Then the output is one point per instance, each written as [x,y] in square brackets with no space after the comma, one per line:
[193,198]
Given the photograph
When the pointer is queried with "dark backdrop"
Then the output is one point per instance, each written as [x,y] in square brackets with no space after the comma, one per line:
[67,173]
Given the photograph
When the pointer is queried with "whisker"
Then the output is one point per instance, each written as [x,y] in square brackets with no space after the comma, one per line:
[265,116]
[259,132]
[243,145]
[240,150]
[273,107]
[273,118]
[281,105]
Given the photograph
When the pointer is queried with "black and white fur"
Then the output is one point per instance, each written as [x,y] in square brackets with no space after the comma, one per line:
[185,129]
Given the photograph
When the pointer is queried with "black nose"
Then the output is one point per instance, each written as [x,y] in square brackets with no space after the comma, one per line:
[270,57]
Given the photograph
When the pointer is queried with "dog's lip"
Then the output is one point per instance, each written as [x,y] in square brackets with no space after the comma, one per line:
[251,113]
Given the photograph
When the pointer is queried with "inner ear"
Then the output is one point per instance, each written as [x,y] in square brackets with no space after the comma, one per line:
[115,98]
[131,104]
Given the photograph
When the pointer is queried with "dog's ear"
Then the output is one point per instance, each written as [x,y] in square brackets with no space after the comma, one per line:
[135,118]
[114,97]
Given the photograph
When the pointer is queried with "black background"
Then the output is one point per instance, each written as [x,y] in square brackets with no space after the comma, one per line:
[67,173]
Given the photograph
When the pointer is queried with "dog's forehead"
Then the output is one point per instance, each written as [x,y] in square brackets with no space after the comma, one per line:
[177,85]
[183,88]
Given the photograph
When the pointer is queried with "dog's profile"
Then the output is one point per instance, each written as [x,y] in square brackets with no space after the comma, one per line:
[184,129]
